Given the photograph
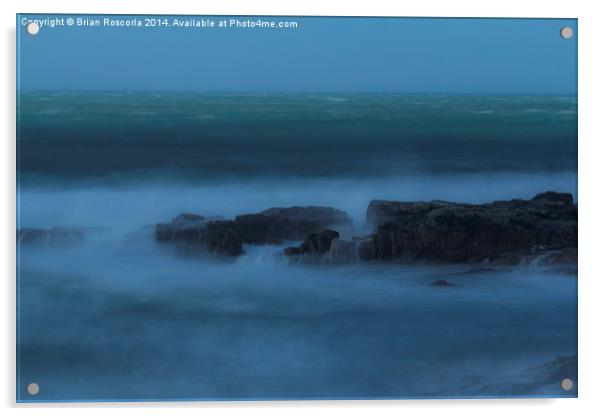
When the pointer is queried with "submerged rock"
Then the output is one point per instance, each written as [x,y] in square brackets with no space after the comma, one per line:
[60,237]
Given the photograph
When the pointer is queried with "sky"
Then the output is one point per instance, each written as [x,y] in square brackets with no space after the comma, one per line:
[408,55]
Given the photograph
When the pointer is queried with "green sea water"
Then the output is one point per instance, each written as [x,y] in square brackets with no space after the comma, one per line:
[112,137]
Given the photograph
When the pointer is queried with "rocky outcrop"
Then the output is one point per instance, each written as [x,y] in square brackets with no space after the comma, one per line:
[314,244]
[271,226]
[447,232]
[183,228]
[275,225]
[503,232]
[339,252]
[192,231]
[342,251]
[221,237]
[451,232]
[59,237]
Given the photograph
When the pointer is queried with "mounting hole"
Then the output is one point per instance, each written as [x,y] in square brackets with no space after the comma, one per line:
[32,28]
[566,32]
[33,388]
[566,384]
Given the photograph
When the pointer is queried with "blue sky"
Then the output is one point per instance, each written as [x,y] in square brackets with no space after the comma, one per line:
[323,54]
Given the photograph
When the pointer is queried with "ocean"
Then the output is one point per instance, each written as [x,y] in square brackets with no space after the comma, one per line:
[122,318]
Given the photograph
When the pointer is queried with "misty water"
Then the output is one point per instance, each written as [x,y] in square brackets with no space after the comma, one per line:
[122,317]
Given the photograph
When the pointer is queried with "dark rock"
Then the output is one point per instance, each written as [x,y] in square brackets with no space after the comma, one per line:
[366,249]
[442,283]
[221,237]
[381,212]
[271,226]
[275,225]
[324,215]
[183,228]
[343,252]
[320,242]
[60,237]
[502,231]
[339,251]
[253,228]
[195,233]
[314,244]
[292,251]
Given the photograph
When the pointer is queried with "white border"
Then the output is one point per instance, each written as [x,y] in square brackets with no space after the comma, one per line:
[590,135]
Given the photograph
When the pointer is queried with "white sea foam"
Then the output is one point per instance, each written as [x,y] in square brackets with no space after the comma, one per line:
[126,209]
[120,316]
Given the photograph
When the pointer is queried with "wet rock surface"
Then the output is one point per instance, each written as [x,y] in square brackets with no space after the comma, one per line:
[501,231]
[271,226]
[275,225]
[185,227]
[194,233]
[314,244]
[221,237]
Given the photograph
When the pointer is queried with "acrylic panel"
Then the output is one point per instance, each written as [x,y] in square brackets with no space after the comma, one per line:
[277,208]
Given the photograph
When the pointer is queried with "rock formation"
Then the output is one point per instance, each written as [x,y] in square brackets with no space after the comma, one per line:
[315,244]
[447,232]
[450,232]
[271,226]
[275,225]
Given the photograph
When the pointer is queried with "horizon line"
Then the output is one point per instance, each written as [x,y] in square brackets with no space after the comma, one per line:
[267,92]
